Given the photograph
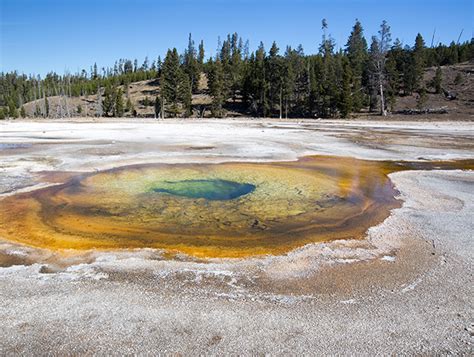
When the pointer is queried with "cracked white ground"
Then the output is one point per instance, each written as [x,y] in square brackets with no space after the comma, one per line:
[407,288]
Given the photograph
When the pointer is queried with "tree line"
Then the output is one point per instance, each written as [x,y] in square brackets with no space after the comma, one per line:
[361,75]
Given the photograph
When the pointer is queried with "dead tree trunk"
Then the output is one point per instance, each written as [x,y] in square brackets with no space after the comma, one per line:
[382,101]
[281,104]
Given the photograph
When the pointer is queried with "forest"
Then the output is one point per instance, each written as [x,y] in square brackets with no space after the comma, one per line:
[358,76]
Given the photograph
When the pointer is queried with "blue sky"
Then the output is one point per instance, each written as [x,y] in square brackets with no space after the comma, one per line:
[42,35]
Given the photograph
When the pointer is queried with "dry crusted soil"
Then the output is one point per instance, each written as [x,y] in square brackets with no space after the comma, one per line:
[406,289]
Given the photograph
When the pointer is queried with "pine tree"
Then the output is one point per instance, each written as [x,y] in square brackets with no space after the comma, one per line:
[191,65]
[94,72]
[394,70]
[37,111]
[436,83]
[159,65]
[314,105]
[453,53]
[175,85]
[129,106]
[345,101]
[128,67]
[356,50]
[157,107]
[216,79]
[261,83]
[254,82]
[458,79]
[184,93]
[422,98]
[418,61]
[275,79]
[109,100]
[201,54]
[46,107]
[288,81]
[224,55]
[22,112]
[235,66]
[328,81]
[393,82]
[145,64]
[296,83]
[12,111]
[118,105]
[170,82]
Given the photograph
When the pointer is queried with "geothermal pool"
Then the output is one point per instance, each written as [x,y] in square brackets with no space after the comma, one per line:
[205,210]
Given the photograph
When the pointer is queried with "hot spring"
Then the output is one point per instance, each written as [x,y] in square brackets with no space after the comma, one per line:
[205,210]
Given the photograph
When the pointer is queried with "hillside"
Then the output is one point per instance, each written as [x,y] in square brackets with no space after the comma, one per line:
[456,101]
[463,91]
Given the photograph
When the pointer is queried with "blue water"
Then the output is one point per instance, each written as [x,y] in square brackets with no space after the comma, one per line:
[214,190]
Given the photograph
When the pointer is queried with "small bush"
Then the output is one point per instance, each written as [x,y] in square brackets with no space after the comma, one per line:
[459,79]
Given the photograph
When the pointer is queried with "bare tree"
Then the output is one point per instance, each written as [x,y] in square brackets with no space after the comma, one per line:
[379,49]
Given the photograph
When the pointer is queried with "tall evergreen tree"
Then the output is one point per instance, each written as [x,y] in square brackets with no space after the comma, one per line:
[275,79]
[201,54]
[129,106]
[299,78]
[109,100]
[235,65]
[175,86]
[418,60]
[436,83]
[118,105]
[215,80]
[357,53]
[345,100]
[191,65]
[94,72]
[12,110]
[184,93]
[394,70]
[289,81]
[261,83]
[170,82]
[328,79]
[46,107]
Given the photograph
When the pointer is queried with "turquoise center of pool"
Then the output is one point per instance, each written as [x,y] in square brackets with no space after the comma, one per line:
[214,190]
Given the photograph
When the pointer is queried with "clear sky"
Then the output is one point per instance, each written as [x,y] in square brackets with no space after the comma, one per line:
[42,35]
